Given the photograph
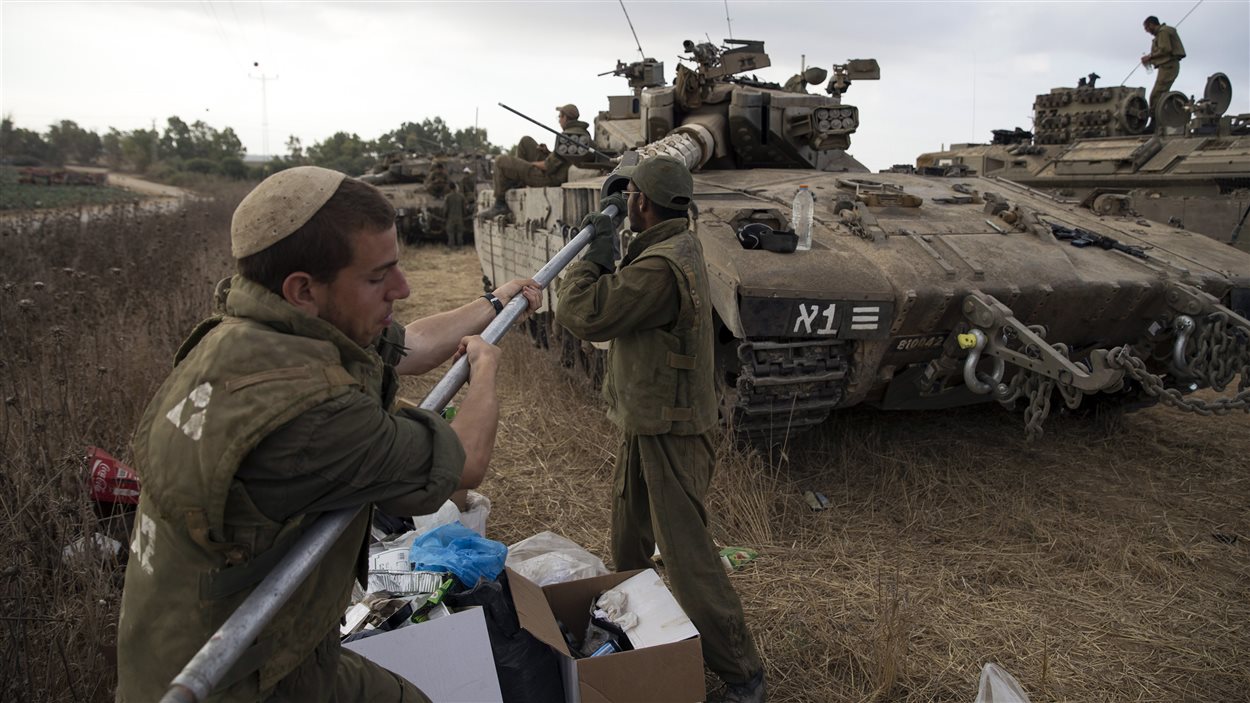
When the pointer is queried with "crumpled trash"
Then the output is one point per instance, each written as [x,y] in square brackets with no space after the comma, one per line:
[391,571]
[611,606]
[734,558]
[97,547]
[998,686]
[547,558]
[111,480]
[460,551]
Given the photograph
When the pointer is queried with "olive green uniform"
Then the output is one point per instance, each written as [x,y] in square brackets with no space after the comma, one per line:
[517,171]
[659,389]
[453,209]
[1166,52]
[468,187]
[269,418]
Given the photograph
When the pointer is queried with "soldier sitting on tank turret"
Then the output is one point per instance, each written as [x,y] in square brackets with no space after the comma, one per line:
[517,171]
[798,82]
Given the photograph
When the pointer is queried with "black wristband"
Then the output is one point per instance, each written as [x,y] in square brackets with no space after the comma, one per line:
[494,302]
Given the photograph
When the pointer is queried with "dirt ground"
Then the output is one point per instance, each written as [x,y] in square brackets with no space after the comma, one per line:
[1107,561]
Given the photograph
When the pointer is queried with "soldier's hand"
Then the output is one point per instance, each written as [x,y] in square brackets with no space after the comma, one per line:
[619,200]
[525,286]
[603,243]
[483,356]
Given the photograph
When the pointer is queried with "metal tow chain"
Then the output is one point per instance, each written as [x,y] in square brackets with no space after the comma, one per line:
[1123,358]
[1219,351]
[1039,388]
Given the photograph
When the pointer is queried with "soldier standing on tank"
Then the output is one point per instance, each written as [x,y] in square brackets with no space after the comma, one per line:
[1166,52]
[453,209]
[276,411]
[525,169]
[659,387]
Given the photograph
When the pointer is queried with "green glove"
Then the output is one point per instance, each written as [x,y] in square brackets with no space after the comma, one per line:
[618,199]
[603,243]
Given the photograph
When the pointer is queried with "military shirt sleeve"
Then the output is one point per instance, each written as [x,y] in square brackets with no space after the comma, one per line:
[348,452]
[598,307]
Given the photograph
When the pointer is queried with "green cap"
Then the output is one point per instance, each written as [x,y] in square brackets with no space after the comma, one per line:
[664,180]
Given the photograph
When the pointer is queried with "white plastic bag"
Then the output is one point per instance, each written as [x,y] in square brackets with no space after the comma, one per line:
[997,686]
[547,558]
[475,517]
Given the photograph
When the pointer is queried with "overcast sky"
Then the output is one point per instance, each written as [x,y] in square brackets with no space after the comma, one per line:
[950,71]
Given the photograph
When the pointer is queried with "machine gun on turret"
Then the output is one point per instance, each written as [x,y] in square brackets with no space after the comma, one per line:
[718,62]
[852,70]
[647,73]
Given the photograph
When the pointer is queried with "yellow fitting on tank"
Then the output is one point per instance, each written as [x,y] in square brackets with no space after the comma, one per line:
[966,341]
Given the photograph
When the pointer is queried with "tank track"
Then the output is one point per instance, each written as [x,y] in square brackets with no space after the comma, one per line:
[785,387]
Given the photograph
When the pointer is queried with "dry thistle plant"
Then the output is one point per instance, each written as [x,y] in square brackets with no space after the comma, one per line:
[92,310]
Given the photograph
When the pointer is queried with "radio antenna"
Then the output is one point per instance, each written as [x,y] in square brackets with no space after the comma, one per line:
[728,21]
[631,29]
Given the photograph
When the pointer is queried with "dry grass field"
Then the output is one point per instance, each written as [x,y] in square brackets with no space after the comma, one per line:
[1109,561]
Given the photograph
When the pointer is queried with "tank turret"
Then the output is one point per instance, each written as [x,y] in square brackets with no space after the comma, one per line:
[714,117]
[918,292]
[416,183]
[1091,144]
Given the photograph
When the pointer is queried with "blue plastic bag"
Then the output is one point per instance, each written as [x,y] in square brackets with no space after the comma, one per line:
[459,550]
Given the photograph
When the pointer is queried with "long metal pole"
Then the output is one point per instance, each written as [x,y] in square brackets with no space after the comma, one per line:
[200,676]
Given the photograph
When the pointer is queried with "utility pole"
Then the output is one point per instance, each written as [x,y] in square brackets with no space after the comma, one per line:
[264,107]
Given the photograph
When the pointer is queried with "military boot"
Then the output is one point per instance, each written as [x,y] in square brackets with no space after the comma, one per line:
[750,692]
[500,208]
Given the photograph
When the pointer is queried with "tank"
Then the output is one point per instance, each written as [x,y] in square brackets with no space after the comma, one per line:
[1091,144]
[918,292]
[416,184]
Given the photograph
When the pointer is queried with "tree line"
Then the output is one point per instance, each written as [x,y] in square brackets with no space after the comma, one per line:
[200,148]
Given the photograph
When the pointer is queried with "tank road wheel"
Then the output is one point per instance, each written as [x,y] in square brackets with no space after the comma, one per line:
[727,369]
[568,348]
[598,366]
[409,226]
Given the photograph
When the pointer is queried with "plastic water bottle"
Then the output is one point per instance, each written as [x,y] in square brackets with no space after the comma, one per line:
[801,217]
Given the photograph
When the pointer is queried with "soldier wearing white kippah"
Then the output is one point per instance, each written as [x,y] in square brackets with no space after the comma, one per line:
[277,410]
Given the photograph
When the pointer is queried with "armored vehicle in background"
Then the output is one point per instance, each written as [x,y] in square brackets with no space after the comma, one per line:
[1090,144]
[416,184]
[918,292]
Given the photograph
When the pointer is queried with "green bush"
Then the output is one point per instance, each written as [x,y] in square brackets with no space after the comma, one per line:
[232,167]
[201,165]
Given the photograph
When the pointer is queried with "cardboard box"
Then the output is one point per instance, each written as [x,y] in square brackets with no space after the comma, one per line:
[449,658]
[667,673]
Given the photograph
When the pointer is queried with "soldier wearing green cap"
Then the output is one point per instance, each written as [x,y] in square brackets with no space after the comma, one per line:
[659,388]
[526,169]
[278,410]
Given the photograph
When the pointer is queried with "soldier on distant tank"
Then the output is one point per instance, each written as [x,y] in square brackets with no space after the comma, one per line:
[468,185]
[525,169]
[453,208]
[1166,52]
